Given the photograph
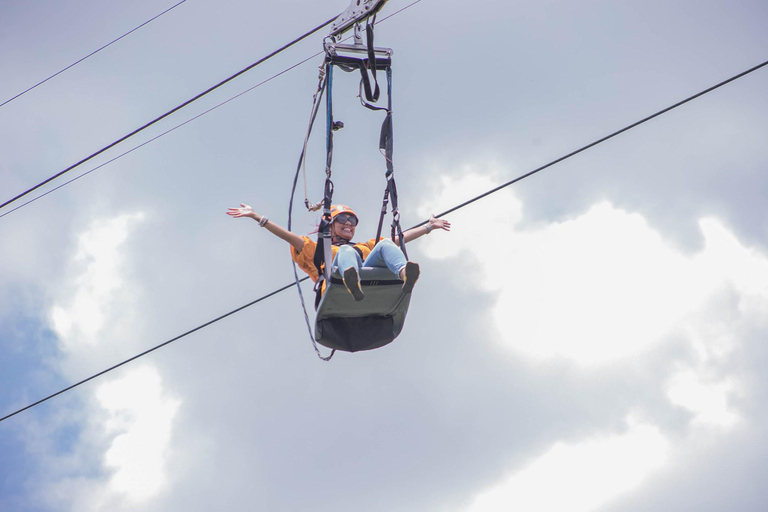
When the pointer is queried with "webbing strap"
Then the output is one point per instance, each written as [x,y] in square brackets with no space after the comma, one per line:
[323,253]
[386,146]
[372,96]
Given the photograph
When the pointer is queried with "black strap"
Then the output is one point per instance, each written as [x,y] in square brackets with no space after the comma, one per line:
[322,258]
[371,58]
[386,145]
[371,282]
[372,96]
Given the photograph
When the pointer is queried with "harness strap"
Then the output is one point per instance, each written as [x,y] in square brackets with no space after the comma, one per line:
[371,63]
[323,253]
[386,146]
[373,98]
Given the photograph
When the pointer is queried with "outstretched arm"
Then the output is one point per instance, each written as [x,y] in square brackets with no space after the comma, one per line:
[431,224]
[246,211]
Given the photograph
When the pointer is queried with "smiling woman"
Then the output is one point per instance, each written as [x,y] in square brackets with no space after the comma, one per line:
[343,323]
[349,256]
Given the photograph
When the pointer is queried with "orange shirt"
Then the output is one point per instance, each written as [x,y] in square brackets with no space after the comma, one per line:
[305,259]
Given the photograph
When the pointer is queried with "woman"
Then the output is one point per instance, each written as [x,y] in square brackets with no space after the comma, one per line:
[349,256]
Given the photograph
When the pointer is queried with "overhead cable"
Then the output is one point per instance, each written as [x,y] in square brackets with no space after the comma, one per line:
[92,53]
[118,365]
[22,205]
[457,207]
[163,116]
[186,122]
[599,141]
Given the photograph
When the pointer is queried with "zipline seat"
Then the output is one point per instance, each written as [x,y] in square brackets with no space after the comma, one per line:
[345,324]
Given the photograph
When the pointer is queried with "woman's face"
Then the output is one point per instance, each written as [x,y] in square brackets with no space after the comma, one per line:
[343,230]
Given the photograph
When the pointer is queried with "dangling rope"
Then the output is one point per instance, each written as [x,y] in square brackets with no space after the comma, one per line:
[316,99]
[302,160]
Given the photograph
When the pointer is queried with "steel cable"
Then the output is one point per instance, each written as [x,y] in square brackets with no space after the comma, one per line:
[462,205]
[91,54]
[168,113]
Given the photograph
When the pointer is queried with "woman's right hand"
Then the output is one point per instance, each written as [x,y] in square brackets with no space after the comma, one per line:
[246,211]
[243,211]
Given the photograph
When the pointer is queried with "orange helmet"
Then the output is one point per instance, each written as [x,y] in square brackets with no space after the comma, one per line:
[341,208]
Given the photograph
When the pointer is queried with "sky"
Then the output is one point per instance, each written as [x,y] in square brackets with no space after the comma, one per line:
[589,339]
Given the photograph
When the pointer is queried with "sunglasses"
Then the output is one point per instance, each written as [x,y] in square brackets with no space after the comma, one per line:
[343,218]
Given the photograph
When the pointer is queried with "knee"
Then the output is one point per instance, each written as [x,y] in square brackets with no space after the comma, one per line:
[390,247]
[346,256]
[347,250]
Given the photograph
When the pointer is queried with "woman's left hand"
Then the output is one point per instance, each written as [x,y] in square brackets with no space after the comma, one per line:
[439,224]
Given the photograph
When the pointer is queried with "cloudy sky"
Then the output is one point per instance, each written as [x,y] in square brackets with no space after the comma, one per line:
[590,339]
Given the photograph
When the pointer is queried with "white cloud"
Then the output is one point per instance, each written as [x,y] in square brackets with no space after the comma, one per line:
[707,400]
[80,314]
[142,418]
[92,313]
[580,477]
[119,460]
[598,287]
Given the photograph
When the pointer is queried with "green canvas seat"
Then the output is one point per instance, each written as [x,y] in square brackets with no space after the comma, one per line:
[345,324]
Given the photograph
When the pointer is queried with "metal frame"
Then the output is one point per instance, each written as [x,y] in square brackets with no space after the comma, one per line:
[358,11]
[338,49]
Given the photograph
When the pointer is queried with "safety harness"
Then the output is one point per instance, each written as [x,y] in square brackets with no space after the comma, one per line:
[374,59]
